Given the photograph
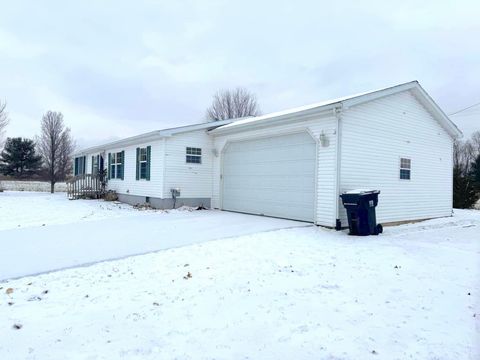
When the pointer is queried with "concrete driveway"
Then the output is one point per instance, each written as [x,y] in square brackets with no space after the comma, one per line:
[34,250]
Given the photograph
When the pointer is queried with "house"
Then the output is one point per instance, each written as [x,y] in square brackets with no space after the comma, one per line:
[294,164]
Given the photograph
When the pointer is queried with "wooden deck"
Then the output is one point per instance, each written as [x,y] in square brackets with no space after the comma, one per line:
[86,186]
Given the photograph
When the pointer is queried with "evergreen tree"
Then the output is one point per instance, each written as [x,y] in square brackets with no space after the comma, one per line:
[18,159]
[464,193]
[465,165]
[475,172]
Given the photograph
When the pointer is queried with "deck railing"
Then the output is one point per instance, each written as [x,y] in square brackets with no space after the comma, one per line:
[86,186]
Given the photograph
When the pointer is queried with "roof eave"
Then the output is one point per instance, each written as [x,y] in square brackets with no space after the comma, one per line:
[277,120]
[189,128]
[374,95]
[344,104]
[153,135]
[443,118]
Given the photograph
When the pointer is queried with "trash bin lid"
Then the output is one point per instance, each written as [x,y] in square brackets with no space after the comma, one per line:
[362,191]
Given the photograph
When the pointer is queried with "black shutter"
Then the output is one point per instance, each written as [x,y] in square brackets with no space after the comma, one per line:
[149,150]
[123,165]
[137,176]
[109,170]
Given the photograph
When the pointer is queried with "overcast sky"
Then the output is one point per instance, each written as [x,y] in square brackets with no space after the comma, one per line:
[118,68]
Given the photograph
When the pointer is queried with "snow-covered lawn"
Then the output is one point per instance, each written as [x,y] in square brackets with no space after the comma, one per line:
[21,209]
[44,232]
[301,293]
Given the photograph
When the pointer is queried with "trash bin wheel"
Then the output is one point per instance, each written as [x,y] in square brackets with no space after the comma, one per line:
[379,229]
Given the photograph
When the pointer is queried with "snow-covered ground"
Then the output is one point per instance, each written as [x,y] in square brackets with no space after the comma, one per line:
[301,293]
[43,232]
[20,209]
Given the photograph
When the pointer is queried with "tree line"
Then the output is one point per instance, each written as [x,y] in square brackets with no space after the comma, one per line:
[466,172]
[47,156]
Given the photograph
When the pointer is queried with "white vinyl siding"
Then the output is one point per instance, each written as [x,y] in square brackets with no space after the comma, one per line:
[375,136]
[131,186]
[325,161]
[193,179]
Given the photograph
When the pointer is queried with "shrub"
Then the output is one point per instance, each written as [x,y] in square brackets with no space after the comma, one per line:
[111,195]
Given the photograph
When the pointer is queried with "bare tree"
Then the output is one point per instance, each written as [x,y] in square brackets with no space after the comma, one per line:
[3,120]
[232,104]
[475,140]
[56,147]
[465,193]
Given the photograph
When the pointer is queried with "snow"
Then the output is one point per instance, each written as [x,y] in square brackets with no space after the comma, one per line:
[299,293]
[20,209]
[361,191]
[55,233]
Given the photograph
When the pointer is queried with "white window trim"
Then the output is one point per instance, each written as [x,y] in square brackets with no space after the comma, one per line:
[409,168]
[115,164]
[95,164]
[198,156]
[81,164]
[140,162]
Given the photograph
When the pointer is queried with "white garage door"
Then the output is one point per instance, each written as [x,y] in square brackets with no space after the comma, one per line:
[273,176]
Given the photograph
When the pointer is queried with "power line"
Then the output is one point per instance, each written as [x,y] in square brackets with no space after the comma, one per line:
[468,107]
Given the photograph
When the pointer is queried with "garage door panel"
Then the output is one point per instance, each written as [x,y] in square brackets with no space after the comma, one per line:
[270,142]
[283,153]
[277,209]
[265,182]
[274,176]
[269,199]
[274,158]
[271,169]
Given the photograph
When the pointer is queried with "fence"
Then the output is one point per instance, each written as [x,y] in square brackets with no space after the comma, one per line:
[25,185]
[85,186]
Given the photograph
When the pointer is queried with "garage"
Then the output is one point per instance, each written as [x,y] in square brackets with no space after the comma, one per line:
[272,176]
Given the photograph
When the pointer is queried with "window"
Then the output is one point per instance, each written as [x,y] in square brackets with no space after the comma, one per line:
[194,155]
[79,168]
[95,160]
[405,168]
[116,165]
[143,163]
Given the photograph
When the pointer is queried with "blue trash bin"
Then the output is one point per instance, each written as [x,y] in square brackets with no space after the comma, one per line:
[360,206]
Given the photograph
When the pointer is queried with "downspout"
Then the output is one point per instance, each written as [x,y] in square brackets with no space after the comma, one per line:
[337,111]
[164,172]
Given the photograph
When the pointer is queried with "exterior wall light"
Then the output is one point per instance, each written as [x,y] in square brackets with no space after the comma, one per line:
[324,141]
